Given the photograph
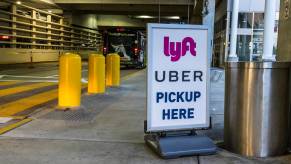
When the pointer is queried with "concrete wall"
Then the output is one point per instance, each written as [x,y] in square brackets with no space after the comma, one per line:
[10,56]
[94,20]
[119,20]
[85,20]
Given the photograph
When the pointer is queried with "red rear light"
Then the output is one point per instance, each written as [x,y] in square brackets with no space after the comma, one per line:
[104,50]
[136,50]
[120,29]
[4,37]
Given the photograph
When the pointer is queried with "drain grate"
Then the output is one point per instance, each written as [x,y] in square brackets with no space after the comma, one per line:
[80,115]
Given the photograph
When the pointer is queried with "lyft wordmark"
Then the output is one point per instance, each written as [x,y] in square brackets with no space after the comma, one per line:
[178,49]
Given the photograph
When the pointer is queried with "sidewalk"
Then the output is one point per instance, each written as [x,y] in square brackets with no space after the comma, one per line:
[109,129]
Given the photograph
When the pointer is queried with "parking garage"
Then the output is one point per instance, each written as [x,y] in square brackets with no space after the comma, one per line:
[75,81]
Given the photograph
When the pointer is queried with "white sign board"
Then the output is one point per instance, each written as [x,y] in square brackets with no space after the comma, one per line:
[177,85]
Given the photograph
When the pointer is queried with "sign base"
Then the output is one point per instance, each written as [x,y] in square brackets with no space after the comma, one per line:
[178,146]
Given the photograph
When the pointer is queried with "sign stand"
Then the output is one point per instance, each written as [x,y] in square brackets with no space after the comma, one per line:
[177,144]
[178,90]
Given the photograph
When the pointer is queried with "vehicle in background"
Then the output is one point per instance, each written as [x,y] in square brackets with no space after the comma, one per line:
[128,43]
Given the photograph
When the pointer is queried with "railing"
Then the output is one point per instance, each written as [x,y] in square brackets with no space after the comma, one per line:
[23,26]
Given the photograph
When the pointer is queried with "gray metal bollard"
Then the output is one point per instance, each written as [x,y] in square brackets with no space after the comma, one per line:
[256,108]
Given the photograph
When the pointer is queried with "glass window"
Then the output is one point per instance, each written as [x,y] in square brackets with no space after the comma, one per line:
[258,42]
[259,21]
[245,20]
[243,47]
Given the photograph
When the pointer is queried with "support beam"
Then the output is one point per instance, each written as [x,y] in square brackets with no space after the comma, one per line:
[269,25]
[233,36]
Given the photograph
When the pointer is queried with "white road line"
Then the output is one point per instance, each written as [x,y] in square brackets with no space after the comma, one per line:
[36,77]
[33,81]
[39,81]
[53,76]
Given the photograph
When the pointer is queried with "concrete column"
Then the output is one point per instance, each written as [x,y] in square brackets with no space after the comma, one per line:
[233,36]
[269,25]
[49,31]
[14,19]
[33,16]
[62,32]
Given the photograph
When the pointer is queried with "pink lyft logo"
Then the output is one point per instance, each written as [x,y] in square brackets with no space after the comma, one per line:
[178,49]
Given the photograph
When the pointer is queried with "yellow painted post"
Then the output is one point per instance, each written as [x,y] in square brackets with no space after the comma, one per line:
[109,69]
[70,81]
[96,79]
[115,70]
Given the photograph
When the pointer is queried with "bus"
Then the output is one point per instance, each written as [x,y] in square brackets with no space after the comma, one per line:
[128,43]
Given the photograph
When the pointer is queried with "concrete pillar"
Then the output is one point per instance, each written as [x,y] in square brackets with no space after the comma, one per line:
[33,29]
[62,32]
[233,36]
[269,25]
[14,19]
[49,31]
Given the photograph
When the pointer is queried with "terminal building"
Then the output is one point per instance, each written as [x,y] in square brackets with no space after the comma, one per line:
[250,30]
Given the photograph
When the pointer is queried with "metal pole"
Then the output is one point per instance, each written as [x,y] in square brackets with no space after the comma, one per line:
[270,13]
[233,38]
[188,12]
[159,12]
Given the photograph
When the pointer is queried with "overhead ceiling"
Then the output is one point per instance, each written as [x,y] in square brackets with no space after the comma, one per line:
[155,8]
[40,4]
[134,7]
[140,2]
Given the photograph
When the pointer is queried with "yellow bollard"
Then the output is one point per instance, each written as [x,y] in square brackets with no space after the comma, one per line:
[115,70]
[109,69]
[70,81]
[96,79]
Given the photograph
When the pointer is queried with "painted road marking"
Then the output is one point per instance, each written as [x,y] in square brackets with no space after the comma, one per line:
[23,104]
[3,83]
[33,77]
[20,105]
[18,89]
[14,125]
[128,76]
[4,120]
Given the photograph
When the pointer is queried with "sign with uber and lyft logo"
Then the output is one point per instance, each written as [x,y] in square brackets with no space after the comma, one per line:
[177,86]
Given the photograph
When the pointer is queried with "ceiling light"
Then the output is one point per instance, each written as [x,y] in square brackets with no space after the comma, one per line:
[173,17]
[47,1]
[18,2]
[144,17]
